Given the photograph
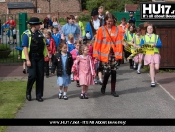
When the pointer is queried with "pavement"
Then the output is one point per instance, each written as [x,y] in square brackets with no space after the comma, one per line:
[136,100]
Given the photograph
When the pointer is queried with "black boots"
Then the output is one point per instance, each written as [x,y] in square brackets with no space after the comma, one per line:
[28,97]
[103,90]
[39,99]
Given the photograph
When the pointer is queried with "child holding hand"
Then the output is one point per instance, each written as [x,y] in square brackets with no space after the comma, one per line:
[85,70]
[75,53]
[63,61]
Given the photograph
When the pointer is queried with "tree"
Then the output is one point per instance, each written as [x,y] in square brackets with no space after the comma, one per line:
[83,4]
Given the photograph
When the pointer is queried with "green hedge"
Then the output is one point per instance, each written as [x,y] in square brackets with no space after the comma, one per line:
[4,47]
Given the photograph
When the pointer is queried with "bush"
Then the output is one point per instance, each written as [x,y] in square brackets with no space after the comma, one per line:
[4,47]
[62,20]
[85,17]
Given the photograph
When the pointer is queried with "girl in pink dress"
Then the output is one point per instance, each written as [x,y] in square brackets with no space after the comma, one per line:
[139,57]
[74,53]
[85,70]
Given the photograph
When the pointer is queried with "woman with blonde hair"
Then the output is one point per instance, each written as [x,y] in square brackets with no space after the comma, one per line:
[56,23]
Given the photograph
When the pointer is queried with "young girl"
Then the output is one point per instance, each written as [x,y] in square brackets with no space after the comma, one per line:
[85,70]
[74,53]
[96,63]
[70,42]
[152,58]
[71,46]
[51,46]
[129,35]
[138,58]
[63,61]
[56,36]
[90,47]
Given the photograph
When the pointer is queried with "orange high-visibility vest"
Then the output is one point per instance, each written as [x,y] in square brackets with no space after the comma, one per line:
[123,31]
[103,43]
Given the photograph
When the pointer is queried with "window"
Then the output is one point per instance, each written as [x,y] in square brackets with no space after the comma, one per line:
[38,10]
[2,0]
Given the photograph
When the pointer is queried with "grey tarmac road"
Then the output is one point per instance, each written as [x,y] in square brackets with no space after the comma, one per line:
[137,100]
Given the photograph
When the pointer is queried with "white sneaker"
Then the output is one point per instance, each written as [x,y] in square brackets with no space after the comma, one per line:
[100,82]
[153,84]
[138,72]
[95,81]
[60,95]
[65,97]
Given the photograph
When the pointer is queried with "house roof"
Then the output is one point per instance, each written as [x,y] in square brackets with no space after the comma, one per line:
[20,5]
[131,7]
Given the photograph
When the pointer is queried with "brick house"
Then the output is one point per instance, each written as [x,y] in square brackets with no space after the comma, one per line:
[42,6]
[131,7]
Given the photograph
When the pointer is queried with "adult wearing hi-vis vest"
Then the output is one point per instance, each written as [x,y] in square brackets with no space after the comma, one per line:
[34,51]
[108,49]
[152,56]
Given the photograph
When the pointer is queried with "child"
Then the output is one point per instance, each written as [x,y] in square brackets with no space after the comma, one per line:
[51,47]
[129,35]
[63,61]
[138,58]
[74,53]
[71,46]
[46,66]
[50,28]
[42,30]
[56,36]
[85,70]
[70,42]
[96,63]
[90,47]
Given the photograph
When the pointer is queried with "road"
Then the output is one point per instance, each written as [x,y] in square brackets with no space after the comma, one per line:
[136,100]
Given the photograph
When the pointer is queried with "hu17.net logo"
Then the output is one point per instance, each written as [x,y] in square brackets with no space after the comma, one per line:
[157,11]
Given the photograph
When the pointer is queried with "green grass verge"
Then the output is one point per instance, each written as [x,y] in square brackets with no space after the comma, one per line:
[12,98]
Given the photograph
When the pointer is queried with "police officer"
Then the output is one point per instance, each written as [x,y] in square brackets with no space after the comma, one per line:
[34,51]
[131,15]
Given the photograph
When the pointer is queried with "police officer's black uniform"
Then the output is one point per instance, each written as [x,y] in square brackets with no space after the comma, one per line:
[36,57]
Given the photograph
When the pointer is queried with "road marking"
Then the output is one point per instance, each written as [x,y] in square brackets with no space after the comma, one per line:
[165,90]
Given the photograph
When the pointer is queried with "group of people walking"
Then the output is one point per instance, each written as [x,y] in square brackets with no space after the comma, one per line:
[97,57]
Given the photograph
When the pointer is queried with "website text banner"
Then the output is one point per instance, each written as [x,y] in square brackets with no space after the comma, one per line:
[157,11]
[87,122]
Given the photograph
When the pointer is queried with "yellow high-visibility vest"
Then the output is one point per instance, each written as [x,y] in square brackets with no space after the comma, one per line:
[129,39]
[28,33]
[151,40]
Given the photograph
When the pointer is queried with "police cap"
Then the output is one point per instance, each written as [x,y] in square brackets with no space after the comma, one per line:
[34,21]
[131,12]
[94,12]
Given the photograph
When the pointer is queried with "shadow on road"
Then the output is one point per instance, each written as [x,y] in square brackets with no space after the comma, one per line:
[134,90]
[166,80]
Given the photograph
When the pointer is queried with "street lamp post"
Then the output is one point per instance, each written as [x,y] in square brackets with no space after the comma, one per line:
[49,5]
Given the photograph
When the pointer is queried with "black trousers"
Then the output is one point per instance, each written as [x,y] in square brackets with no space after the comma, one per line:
[127,54]
[113,79]
[36,73]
